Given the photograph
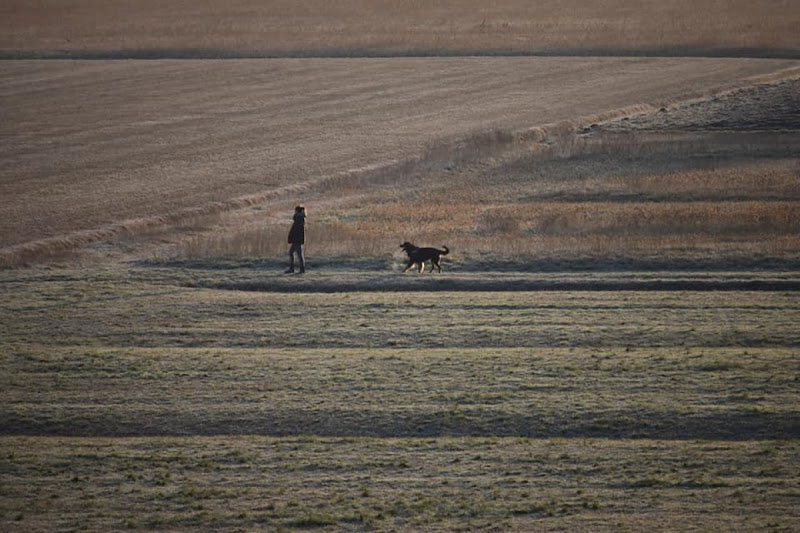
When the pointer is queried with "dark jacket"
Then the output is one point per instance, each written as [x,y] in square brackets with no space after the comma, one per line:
[297,235]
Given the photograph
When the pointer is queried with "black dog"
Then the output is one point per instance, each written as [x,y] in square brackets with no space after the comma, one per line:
[418,256]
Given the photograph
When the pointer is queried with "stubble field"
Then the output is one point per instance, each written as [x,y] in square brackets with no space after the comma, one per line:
[367,28]
[94,149]
[612,345]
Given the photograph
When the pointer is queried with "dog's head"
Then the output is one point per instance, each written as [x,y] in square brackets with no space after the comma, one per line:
[408,247]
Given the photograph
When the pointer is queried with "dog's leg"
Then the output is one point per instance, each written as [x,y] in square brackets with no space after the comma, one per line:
[421,267]
[408,266]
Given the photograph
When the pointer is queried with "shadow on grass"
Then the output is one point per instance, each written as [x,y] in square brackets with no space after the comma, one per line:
[334,275]
[440,283]
[466,421]
[289,53]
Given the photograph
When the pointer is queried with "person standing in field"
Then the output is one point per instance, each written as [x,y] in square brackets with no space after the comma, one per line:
[297,238]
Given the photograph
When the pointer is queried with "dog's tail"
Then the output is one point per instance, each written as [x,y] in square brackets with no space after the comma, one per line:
[446,250]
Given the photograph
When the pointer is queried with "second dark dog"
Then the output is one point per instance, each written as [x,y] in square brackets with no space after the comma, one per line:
[418,256]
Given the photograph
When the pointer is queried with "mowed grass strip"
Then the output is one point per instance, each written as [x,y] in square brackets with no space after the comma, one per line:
[685,393]
[357,484]
[166,308]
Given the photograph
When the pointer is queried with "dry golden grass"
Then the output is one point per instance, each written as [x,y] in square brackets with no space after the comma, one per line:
[605,198]
[368,27]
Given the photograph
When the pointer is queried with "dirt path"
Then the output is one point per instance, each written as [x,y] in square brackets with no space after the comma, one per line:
[87,144]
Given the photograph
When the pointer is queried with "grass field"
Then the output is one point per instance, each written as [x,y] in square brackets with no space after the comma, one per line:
[443,484]
[612,345]
[138,398]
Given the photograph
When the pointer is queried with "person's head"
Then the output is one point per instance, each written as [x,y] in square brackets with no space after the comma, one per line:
[300,209]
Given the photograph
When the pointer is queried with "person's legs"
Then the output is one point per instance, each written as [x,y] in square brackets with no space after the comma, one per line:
[301,260]
[291,259]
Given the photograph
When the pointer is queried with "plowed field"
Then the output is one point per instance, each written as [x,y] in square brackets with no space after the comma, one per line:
[90,144]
